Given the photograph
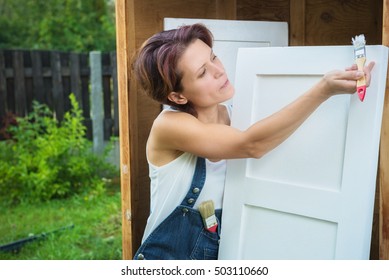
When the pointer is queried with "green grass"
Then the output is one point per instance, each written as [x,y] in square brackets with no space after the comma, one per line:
[96,234]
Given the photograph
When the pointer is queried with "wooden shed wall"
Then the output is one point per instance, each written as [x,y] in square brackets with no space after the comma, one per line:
[319,22]
[311,22]
[136,21]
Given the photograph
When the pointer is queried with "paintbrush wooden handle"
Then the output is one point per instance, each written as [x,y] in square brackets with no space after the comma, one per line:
[360,61]
[361,83]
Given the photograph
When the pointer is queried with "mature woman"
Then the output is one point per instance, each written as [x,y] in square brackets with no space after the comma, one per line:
[190,141]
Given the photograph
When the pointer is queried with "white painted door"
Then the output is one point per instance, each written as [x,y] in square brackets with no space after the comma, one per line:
[230,35]
[312,197]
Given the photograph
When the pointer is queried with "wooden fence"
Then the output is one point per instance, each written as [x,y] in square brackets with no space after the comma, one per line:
[50,76]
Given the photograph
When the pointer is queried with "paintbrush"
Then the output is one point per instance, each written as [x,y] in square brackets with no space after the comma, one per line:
[207,211]
[360,59]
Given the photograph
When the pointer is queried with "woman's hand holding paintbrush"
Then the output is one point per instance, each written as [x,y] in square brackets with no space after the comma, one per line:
[338,82]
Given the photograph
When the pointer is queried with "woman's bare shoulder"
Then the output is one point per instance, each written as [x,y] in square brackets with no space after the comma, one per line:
[172,120]
[165,131]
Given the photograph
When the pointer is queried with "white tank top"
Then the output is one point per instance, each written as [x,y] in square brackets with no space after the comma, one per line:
[171,182]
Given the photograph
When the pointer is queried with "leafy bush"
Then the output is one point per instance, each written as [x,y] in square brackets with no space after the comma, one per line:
[45,159]
[64,25]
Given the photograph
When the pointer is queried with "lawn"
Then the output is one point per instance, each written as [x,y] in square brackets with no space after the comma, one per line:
[96,234]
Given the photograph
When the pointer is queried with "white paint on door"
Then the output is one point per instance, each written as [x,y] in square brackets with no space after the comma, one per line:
[313,196]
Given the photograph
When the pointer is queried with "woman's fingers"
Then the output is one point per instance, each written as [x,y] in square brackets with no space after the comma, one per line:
[367,69]
[352,67]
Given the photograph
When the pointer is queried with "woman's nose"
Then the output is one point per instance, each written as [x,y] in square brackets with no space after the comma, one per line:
[218,70]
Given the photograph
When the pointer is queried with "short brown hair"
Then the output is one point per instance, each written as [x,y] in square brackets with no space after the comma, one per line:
[155,65]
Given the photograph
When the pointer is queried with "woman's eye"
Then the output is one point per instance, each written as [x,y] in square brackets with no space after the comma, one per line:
[214,57]
[203,73]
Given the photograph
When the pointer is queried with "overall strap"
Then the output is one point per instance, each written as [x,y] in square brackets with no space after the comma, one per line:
[196,185]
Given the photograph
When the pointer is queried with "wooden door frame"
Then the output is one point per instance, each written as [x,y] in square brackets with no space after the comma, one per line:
[383,171]
[123,65]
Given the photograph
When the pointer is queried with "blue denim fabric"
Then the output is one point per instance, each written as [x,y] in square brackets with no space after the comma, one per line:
[182,236]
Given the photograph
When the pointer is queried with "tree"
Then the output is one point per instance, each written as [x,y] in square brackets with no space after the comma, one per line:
[65,25]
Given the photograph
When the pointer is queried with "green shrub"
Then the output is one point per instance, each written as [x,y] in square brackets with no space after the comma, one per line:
[46,159]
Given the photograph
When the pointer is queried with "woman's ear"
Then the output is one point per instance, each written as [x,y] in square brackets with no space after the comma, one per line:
[177,98]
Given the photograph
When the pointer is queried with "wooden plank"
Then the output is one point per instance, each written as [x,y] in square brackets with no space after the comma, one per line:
[297,23]
[65,76]
[334,22]
[123,27]
[107,90]
[107,94]
[37,76]
[28,83]
[263,10]
[84,76]
[47,79]
[383,171]
[108,124]
[3,88]
[20,97]
[84,72]
[115,94]
[75,79]
[226,9]
[58,97]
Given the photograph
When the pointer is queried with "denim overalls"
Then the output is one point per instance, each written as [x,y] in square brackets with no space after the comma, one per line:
[182,236]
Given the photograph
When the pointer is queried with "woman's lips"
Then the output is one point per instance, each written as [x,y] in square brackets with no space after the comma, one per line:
[225,84]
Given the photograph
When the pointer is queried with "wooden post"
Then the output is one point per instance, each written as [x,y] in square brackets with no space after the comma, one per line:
[122,42]
[384,154]
[97,104]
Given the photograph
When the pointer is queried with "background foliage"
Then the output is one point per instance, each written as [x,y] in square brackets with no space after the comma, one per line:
[46,159]
[65,25]
[49,175]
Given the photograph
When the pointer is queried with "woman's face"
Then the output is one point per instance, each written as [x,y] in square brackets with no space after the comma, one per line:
[204,81]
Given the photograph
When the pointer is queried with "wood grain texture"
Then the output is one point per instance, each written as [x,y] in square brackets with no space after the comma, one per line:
[384,155]
[122,30]
[297,23]
[136,21]
[334,22]
[265,10]
[226,9]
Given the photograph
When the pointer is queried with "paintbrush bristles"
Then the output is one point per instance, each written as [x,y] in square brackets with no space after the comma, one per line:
[359,41]
[359,46]
[207,211]
[207,208]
